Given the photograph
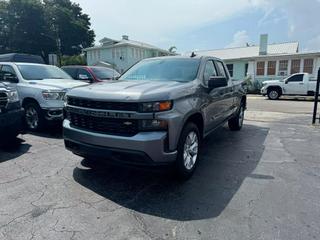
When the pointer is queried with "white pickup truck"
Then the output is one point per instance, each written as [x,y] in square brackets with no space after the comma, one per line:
[41,89]
[296,84]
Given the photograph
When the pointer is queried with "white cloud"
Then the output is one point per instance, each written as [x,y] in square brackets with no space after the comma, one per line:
[153,20]
[302,17]
[157,21]
[313,44]
[240,39]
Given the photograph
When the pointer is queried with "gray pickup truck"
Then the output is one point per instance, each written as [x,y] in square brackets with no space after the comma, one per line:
[157,113]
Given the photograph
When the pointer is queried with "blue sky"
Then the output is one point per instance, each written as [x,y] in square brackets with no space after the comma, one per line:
[207,24]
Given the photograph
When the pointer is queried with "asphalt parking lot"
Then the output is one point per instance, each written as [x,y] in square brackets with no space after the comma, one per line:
[260,183]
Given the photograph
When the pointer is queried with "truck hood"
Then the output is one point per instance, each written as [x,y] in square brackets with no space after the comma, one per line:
[122,90]
[57,84]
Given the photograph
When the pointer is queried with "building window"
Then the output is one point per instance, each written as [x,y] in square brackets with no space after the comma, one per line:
[283,68]
[230,69]
[132,52]
[272,68]
[308,66]
[295,66]
[260,68]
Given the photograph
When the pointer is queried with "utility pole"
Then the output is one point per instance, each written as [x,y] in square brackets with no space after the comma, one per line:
[316,100]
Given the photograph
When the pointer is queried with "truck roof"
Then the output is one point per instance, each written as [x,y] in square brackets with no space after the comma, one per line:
[21,57]
[184,57]
[23,63]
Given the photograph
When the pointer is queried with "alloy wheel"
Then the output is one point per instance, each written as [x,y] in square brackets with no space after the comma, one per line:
[32,118]
[191,148]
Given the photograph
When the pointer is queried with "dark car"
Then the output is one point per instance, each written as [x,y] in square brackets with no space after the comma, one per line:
[91,73]
[21,57]
[10,113]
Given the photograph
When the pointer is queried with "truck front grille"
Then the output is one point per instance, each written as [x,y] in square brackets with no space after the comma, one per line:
[3,99]
[119,127]
[87,103]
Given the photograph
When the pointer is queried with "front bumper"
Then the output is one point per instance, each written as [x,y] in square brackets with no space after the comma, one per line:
[263,91]
[53,114]
[145,148]
[11,122]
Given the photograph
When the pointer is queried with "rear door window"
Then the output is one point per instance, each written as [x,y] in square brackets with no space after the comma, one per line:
[221,70]
[296,78]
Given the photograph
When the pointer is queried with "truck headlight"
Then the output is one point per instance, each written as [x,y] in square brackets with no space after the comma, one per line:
[153,125]
[53,95]
[156,106]
[13,96]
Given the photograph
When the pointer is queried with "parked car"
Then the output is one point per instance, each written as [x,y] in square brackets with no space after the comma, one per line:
[157,113]
[296,84]
[11,113]
[91,73]
[21,57]
[41,89]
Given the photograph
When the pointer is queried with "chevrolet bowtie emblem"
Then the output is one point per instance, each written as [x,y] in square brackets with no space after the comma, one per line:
[127,123]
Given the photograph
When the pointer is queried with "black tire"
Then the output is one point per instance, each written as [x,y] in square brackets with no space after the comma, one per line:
[183,172]
[32,111]
[236,123]
[274,94]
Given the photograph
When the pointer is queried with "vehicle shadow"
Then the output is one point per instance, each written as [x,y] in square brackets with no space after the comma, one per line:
[53,131]
[228,158]
[13,149]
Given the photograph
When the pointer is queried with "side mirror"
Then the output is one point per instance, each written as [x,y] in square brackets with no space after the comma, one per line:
[10,78]
[217,81]
[286,81]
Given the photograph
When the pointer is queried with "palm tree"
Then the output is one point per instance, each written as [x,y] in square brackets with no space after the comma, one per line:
[172,49]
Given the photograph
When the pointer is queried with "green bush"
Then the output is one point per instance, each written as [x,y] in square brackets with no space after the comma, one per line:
[73,60]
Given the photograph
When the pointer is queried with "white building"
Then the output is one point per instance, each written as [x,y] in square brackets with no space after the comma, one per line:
[267,61]
[121,54]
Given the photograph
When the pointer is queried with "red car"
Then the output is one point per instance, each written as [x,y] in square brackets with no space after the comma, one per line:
[91,73]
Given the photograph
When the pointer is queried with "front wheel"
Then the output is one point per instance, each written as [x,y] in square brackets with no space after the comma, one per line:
[273,94]
[34,119]
[188,151]
[236,123]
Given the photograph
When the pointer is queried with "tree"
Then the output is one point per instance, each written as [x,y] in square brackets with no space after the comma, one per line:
[172,49]
[43,27]
[73,60]
[23,27]
[70,25]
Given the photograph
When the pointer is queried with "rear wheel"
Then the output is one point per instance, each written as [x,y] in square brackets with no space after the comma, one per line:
[188,151]
[273,94]
[236,123]
[34,118]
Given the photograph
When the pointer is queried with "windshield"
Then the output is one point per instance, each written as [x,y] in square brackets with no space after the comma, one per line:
[180,70]
[104,73]
[40,72]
